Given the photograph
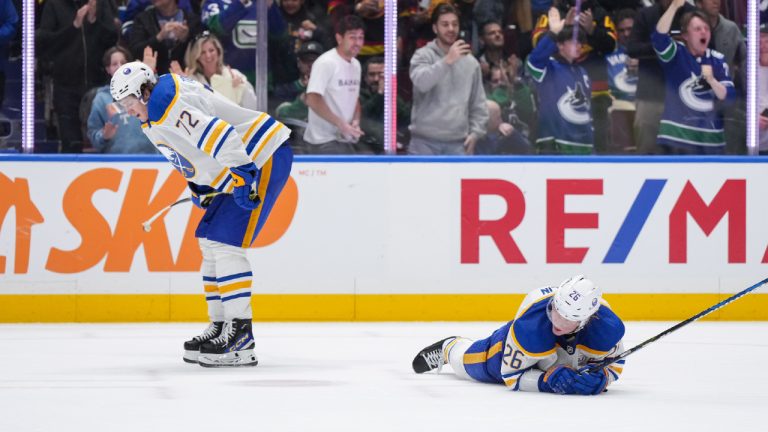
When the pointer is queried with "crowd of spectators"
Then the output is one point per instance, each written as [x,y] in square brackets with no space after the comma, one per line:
[473,76]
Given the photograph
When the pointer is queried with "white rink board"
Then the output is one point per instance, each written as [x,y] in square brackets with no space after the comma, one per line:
[394,227]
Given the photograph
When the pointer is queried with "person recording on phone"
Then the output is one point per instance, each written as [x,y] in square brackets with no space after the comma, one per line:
[449,113]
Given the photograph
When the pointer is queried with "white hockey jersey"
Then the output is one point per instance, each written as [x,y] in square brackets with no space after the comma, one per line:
[203,134]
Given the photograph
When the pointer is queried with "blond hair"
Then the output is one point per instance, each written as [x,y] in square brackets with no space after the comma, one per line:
[196,48]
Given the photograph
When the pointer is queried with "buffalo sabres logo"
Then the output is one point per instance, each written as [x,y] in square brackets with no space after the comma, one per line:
[696,94]
[573,105]
[594,302]
[127,71]
[182,164]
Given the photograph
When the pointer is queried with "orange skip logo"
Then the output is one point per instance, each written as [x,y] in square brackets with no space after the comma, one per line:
[120,243]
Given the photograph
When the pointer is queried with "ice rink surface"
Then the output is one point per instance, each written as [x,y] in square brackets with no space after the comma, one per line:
[357,377]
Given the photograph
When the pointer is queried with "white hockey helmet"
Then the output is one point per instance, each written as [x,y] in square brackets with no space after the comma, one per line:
[577,299]
[129,78]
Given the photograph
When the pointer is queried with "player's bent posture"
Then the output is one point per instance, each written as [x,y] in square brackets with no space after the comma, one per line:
[556,334]
[236,162]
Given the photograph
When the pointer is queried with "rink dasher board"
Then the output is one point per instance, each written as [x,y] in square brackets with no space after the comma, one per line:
[391,238]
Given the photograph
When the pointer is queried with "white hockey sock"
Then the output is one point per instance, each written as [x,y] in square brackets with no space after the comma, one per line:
[455,356]
[233,277]
[212,297]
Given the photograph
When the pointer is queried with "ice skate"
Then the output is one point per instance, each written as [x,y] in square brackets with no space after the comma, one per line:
[233,347]
[192,346]
[431,357]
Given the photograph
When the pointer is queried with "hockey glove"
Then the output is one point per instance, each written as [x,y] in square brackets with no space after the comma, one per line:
[590,383]
[558,379]
[244,178]
[202,203]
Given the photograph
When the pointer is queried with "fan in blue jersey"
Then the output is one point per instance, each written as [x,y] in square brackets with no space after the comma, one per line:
[236,162]
[696,78]
[557,333]
[564,90]
[622,70]
[235,23]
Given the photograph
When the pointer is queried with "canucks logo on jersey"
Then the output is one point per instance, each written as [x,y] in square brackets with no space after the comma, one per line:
[696,94]
[244,34]
[625,83]
[182,164]
[573,105]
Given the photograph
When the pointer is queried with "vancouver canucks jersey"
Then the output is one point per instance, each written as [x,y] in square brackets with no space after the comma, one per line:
[564,99]
[623,85]
[202,133]
[236,25]
[691,119]
[531,347]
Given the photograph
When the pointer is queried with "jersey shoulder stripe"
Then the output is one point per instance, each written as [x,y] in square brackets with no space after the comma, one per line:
[164,97]
[532,330]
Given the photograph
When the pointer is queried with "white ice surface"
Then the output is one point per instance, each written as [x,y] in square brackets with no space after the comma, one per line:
[357,377]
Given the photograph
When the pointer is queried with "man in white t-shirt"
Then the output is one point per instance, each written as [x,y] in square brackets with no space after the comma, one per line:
[333,93]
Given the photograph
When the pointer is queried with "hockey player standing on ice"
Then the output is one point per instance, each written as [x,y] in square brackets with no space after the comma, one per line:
[696,77]
[221,148]
[556,334]
[565,116]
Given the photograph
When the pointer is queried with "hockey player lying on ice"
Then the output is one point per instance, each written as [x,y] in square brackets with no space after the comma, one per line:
[556,334]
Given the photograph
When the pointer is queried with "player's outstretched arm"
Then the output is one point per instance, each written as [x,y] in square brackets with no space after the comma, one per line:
[665,22]
[537,62]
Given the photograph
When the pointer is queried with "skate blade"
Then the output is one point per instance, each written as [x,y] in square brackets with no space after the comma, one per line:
[232,359]
[191,356]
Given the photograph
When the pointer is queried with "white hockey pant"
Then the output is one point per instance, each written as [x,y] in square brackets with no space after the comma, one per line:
[455,356]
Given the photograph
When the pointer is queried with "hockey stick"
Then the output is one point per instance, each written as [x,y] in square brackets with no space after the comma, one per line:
[148,224]
[610,360]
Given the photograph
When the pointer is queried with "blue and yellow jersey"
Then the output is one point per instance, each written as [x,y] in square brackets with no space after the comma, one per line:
[203,134]
[531,348]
